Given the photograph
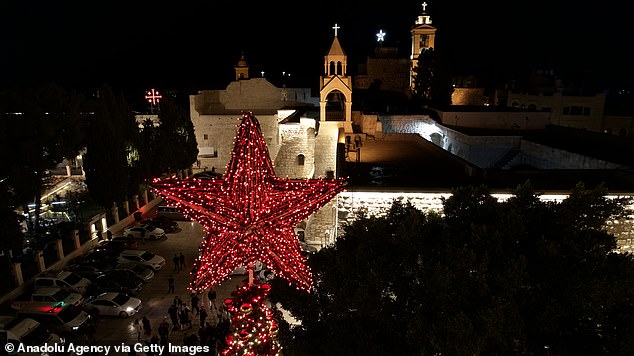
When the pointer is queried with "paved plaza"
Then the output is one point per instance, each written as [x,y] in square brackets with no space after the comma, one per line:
[155,296]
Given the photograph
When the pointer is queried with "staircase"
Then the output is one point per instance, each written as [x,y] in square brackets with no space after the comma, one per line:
[508,157]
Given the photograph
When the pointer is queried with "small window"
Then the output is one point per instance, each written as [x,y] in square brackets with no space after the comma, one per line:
[424,41]
[205,137]
[300,160]
[586,111]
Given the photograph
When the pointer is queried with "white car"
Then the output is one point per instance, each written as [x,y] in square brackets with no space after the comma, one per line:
[144,231]
[115,304]
[51,294]
[142,257]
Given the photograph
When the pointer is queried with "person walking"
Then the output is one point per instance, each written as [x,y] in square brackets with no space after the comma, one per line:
[178,302]
[172,311]
[184,316]
[170,284]
[164,330]
[177,263]
[202,316]
[181,260]
[212,299]
[195,301]
[146,325]
[138,326]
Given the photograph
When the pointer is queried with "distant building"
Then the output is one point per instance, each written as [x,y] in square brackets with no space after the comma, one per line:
[385,71]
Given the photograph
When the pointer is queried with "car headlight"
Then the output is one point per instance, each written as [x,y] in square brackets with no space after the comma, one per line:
[129,309]
[75,327]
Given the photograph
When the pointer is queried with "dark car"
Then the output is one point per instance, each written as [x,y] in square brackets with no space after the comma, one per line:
[96,256]
[138,270]
[90,270]
[117,244]
[125,273]
[162,222]
[116,283]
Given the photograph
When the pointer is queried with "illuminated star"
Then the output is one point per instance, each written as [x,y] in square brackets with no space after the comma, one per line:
[380,36]
[249,214]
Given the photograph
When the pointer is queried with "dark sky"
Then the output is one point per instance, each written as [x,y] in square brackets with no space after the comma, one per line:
[194,44]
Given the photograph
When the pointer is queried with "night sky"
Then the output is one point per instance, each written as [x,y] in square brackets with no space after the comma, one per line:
[194,44]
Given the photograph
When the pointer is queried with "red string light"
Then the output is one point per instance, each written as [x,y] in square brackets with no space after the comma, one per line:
[249,214]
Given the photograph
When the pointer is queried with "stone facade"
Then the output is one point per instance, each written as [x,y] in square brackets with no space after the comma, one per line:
[584,112]
[351,204]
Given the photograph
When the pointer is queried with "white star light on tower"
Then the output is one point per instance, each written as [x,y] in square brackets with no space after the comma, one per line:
[380,36]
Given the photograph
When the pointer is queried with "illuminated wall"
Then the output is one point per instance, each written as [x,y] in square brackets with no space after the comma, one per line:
[349,204]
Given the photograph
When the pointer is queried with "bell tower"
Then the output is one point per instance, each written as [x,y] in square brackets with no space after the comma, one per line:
[423,36]
[242,68]
[335,114]
[335,93]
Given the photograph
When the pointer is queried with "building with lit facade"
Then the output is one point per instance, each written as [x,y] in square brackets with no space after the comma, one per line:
[325,136]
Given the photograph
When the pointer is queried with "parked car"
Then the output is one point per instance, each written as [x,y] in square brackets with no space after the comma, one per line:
[144,231]
[59,318]
[162,222]
[114,304]
[170,212]
[25,331]
[142,257]
[114,283]
[307,249]
[95,256]
[49,294]
[141,271]
[90,270]
[63,279]
[125,274]
[117,244]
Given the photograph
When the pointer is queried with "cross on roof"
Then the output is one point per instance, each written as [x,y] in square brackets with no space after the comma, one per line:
[336,28]
[424,4]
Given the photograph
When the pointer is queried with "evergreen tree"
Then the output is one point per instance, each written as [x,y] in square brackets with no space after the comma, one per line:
[111,149]
[432,84]
[178,148]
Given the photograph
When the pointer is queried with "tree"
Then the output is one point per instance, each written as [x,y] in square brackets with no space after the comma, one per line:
[431,81]
[488,277]
[176,130]
[111,149]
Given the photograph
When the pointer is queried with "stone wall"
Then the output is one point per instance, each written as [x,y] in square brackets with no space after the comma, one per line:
[326,148]
[351,204]
[296,139]
[221,131]
[545,157]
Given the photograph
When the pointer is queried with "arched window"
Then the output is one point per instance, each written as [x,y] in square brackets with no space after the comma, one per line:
[339,68]
[331,71]
[300,159]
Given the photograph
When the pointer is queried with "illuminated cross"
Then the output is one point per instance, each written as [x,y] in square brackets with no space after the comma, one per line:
[153,96]
[336,28]
[380,37]
[424,6]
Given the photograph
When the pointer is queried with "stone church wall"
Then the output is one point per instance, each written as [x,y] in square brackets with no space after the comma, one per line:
[220,131]
[296,139]
[326,148]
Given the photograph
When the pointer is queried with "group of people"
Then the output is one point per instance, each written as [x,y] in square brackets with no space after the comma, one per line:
[211,331]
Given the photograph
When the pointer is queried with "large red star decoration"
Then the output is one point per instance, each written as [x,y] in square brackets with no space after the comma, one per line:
[249,214]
